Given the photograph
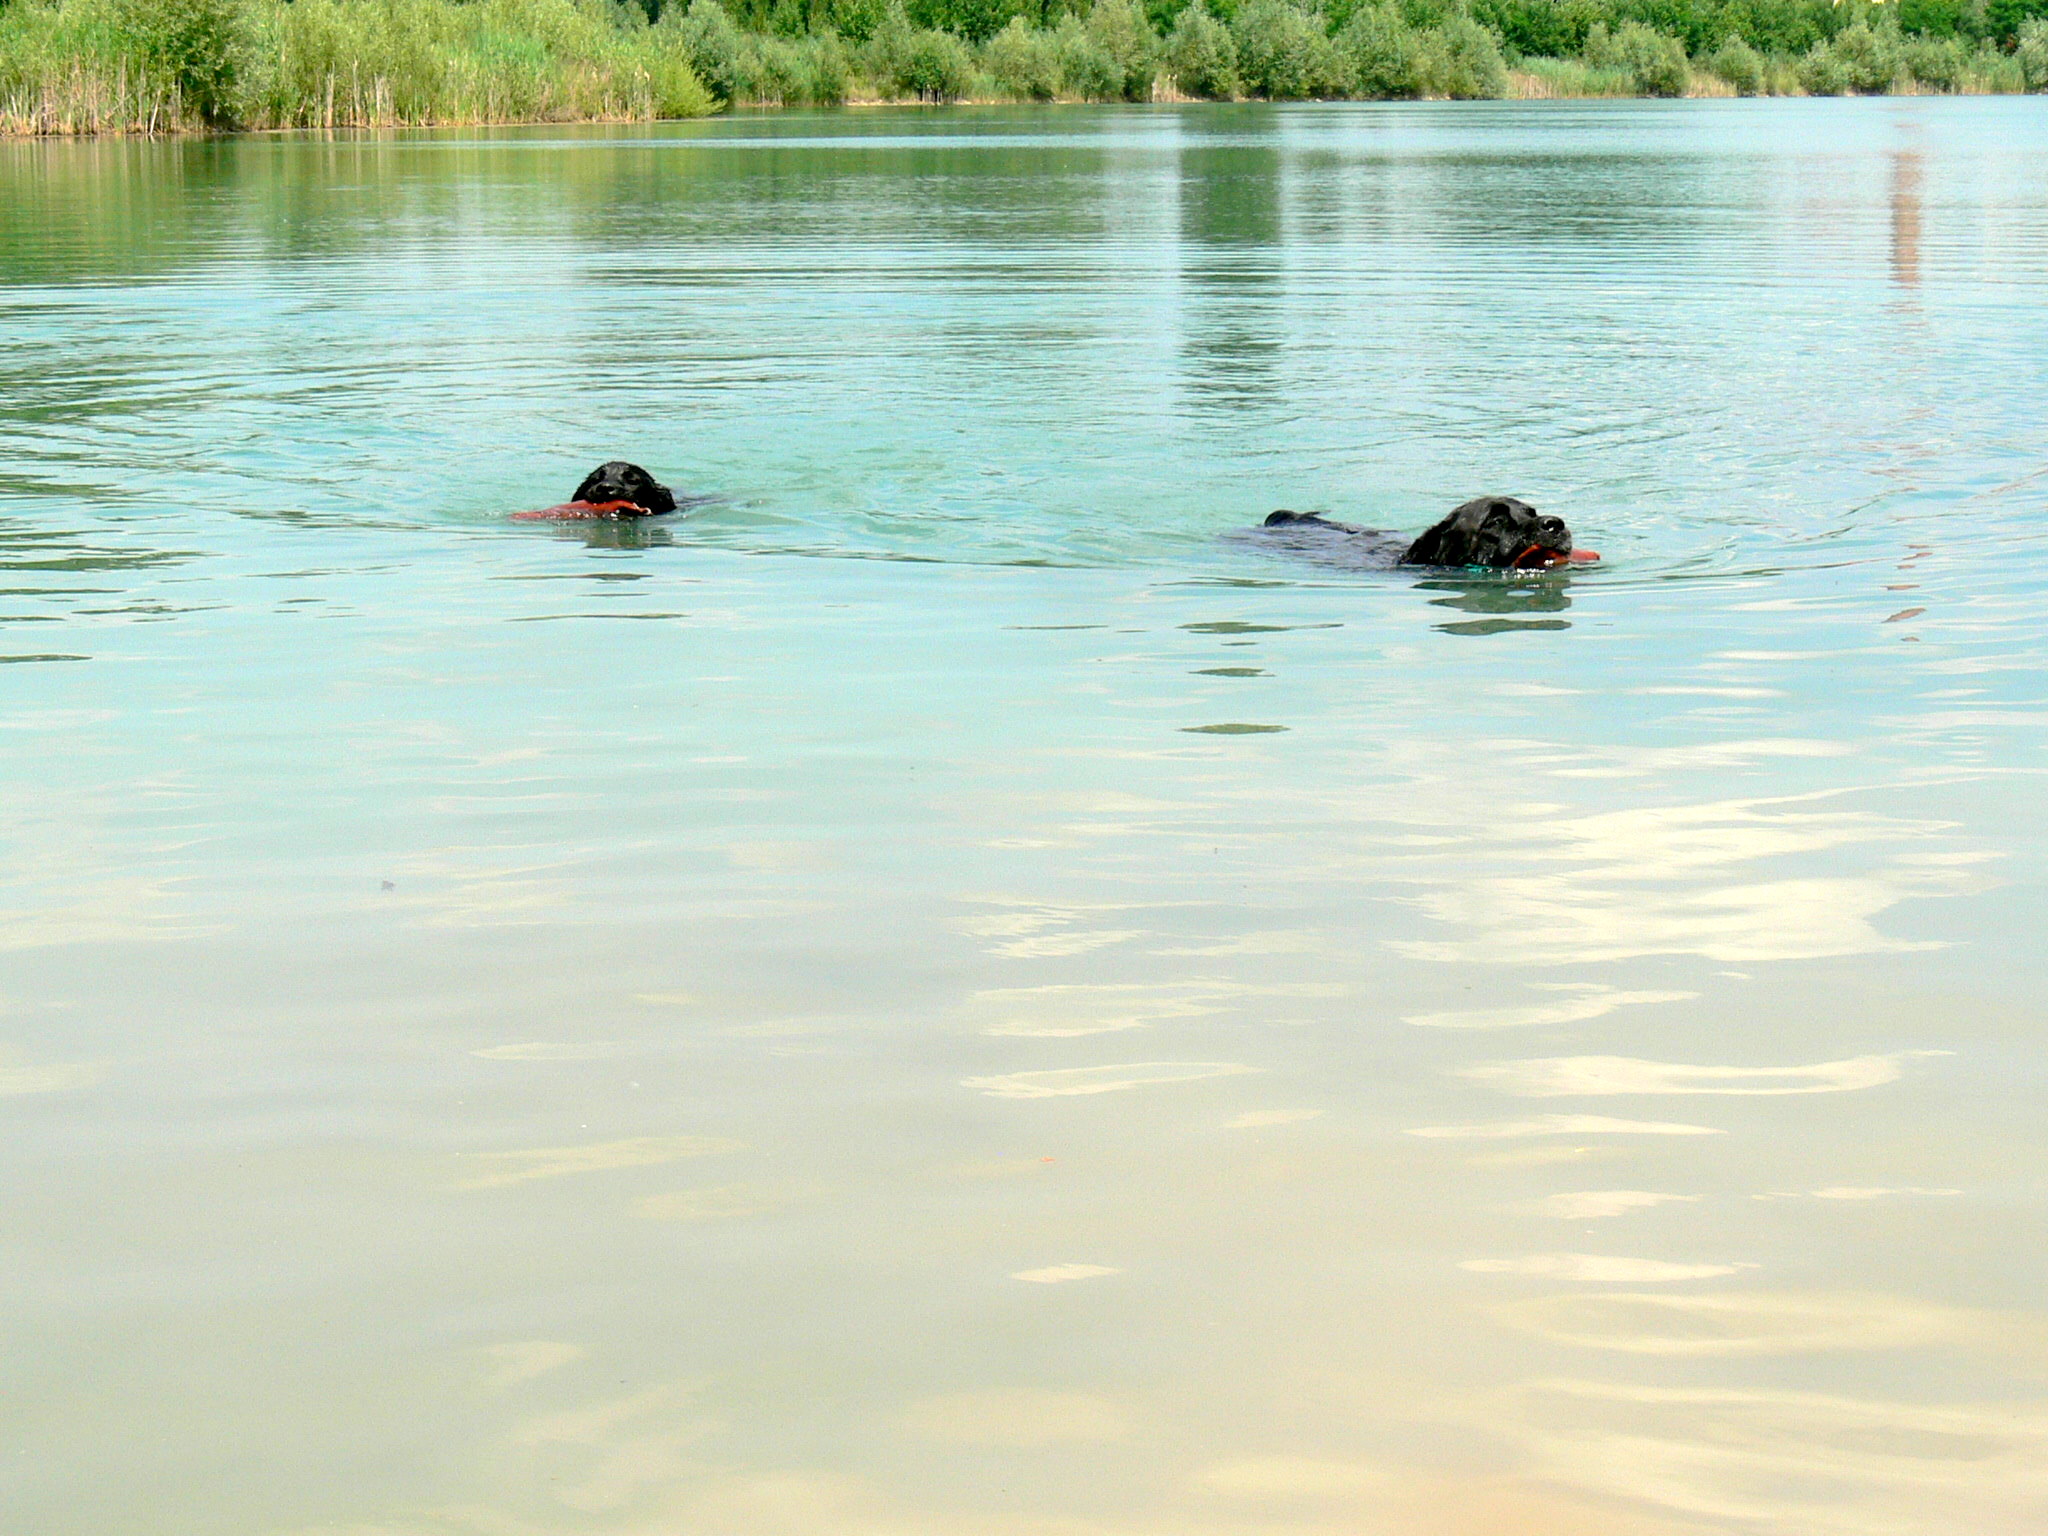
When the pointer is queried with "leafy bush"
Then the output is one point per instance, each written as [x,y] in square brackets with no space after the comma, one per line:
[975,20]
[1461,60]
[1126,38]
[935,68]
[884,53]
[855,20]
[1741,66]
[1940,64]
[673,89]
[2032,54]
[196,45]
[1086,68]
[717,49]
[1821,73]
[1283,53]
[1995,72]
[1869,58]
[1654,62]
[791,72]
[1383,56]
[1201,56]
[1023,62]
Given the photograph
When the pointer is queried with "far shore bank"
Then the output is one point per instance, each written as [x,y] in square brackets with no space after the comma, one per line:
[74,68]
[1521,87]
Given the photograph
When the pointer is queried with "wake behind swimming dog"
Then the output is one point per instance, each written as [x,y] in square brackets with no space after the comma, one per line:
[1501,532]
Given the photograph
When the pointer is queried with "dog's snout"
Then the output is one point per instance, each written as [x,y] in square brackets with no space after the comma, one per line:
[1551,525]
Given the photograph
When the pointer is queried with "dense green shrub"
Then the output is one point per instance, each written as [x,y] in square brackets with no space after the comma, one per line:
[1741,66]
[1382,55]
[916,62]
[197,45]
[1283,52]
[1023,62]
[1869,57]
[1461,60]
[717,48]
[1127,41]
[673,89]
[794,71]
[1553,29]
[1938,63]
[2032,55]
[1201,56]
[1821,73]
[855,20]
[975,20]
[1086,68]
[938,68]
[1653,62]
[2005,19]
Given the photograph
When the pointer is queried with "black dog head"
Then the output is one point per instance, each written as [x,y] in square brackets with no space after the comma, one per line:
[620,481]
[1494,530]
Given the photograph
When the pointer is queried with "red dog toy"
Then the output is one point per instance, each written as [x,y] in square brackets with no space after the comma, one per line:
[575,511]
[1535,557]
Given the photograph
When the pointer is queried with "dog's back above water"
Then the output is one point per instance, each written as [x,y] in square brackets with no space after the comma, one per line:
[1500,532]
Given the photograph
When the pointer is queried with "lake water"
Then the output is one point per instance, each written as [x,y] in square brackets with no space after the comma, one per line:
[938,994]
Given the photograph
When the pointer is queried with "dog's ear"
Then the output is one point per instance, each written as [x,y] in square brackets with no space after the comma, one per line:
[655,496]
[1450,541]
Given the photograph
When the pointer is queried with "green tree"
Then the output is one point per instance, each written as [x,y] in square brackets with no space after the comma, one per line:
[1462,60]
[198,45]
[1125,37]
[1385,57]
[717,49]
[1654,63]
[1024,62]
[2033,54]
[1740,65]
[1283,53]
[1200,55]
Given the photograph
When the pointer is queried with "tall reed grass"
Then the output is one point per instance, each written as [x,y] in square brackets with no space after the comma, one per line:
[92,66]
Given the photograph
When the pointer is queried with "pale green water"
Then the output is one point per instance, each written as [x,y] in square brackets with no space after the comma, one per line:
[844,1053]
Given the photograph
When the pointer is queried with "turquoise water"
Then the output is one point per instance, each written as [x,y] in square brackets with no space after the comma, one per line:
[794,1018]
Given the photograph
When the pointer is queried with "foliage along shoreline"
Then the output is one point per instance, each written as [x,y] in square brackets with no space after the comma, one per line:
[152,66]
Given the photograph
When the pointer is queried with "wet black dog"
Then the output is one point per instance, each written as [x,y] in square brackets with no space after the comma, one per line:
[620,481]
[1497,531]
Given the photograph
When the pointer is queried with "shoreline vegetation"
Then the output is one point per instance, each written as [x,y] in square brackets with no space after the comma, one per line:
[155,66]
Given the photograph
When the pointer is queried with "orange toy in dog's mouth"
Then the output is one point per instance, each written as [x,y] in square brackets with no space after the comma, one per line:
[571,511]
[1536,557]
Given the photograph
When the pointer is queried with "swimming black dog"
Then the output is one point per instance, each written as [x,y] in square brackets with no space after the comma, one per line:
[1497,531]
[620,481]
[610,491]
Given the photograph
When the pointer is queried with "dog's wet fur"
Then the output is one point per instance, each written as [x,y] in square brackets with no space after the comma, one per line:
[620,481]
[1498,531]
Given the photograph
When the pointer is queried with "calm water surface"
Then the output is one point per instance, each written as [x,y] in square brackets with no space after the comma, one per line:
[937,994]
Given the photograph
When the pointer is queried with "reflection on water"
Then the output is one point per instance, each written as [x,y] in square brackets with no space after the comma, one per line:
[1507,600]
[1061,1022]
[1906,215]
[1780,1459]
